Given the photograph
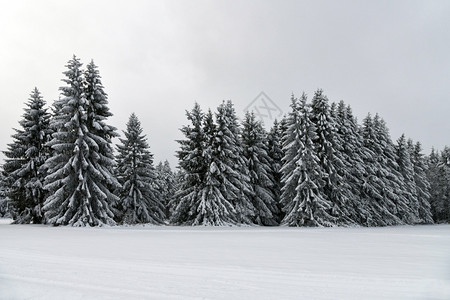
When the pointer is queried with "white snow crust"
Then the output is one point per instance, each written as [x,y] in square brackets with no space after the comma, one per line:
[150,262]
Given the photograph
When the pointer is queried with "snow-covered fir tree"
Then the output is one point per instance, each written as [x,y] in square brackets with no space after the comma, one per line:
[275,152]
[214,206]
[192,166]
[439,177]
[444,187]
[376,195]
[172,204]
[432,161]
[215,187]
[231,163]
[395,188]
[422,184]
[166,184]
[259,164]
[408,183]
[4,212]
[97,113]
[329,162]
[323,144]
[348,157]
[25,155]
[140,200]
[301,197]
[444,165]
[292,148]
[80,180]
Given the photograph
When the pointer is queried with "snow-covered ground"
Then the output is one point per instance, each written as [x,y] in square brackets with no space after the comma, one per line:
[39,262]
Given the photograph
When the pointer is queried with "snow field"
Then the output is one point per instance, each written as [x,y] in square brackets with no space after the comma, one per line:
[407,262]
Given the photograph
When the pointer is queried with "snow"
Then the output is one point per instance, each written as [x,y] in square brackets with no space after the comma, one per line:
[151,262]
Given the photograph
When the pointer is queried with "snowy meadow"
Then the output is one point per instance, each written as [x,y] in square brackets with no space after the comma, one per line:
[163,262]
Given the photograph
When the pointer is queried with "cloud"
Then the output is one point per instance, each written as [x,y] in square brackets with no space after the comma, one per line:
[158,57]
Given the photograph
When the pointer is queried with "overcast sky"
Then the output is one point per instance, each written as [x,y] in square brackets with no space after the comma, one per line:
[157,57]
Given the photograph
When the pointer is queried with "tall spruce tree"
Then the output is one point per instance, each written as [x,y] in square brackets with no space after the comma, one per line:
[255,152]
[291,146]
[444,169]
[329,162]
[140,200]
[166,184]
[376,194]
[193,168]
[408,183]
[358,155]
[432,161]
[4,212]
[23,174]
[395,190]
[324,126]
[348,158]
[235,186]
[214,206]
[421,181]
[439,177]
[173,202]
[80,178]
[275,152]
[301,197]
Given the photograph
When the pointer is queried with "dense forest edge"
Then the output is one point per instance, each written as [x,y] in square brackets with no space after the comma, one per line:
[317,166]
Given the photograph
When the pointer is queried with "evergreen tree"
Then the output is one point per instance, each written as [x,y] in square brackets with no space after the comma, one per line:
[235,185]
[301,197]
[292,146]
[140,201]
[173,202]
[329,162]
[80,177]
[408,183]
[24,157]
[382,206]
[275,152]
[3,198]
[193,168]
[284,124]
[432,175]
[350,168]
[444,167]
[421,181]
[439,177]
[394,188]
[214,206]
[324,126]
[166,184]
[260,171]
[97,113]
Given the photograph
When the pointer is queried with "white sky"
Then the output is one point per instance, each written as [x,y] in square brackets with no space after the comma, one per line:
[157,57]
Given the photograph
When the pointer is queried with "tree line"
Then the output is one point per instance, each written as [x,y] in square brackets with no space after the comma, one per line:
[315,167]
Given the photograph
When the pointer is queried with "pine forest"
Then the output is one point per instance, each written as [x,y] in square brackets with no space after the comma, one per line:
[317,167]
